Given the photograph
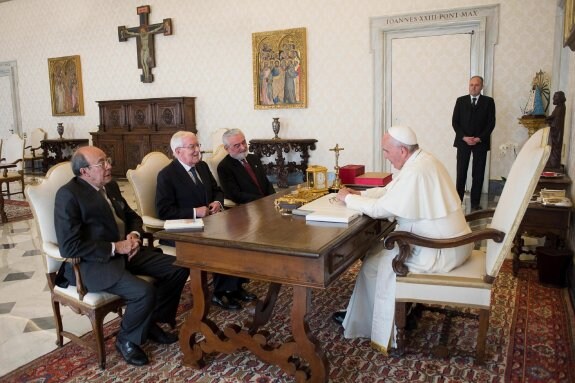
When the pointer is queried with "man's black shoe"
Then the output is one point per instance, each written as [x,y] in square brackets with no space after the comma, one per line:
[339,316]
[132,353]
[476,207]
[156,334]
[226,301]
[243,295]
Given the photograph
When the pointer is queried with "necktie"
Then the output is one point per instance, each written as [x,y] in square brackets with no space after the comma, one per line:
[250,171]
[195,177]
[474,101]
[119,223]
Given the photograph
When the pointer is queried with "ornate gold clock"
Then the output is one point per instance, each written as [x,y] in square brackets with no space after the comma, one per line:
[316,178]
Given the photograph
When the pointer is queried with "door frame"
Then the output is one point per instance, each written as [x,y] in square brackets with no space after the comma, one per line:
[485,23]
[10,69]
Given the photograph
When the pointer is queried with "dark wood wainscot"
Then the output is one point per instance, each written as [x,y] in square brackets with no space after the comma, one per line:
[130,129]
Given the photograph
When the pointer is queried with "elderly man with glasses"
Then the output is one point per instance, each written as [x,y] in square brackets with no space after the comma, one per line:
[94,223]
[185,189]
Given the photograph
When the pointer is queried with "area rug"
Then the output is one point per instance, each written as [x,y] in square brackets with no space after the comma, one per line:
[534,350]
[17,210]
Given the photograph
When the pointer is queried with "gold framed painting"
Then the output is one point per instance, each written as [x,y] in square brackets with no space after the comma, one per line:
[569,25]
[66,86]
[280,69]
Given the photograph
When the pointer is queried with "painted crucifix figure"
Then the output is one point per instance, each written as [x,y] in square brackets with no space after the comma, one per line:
[144,34]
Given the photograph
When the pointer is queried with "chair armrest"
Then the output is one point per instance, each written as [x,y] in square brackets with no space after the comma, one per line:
[228,203]
[480,214]
[80,288]
[404,239]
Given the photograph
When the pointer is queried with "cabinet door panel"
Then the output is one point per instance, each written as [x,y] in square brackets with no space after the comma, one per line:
[169,116]
[112,146]
[113,117]
[140,117]
[161,143]
[135,148]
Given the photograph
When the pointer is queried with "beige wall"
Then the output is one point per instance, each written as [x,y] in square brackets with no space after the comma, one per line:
[209,56]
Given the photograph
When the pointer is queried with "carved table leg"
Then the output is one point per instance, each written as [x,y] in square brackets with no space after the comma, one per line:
[196,321]
[3,216]
[308,346]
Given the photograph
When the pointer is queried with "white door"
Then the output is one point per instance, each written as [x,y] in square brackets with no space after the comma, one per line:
[9,105]
[428,73]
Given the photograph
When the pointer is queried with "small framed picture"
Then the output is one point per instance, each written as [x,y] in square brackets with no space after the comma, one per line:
[66,86]
[280,69]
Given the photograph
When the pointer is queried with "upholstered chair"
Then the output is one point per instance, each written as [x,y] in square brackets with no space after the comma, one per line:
[94,305]
[470,285]
[143,180]
[13,154]
[214,156]
[33,147]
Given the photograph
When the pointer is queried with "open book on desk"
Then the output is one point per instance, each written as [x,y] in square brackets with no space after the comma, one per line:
[187,224]
[328,209]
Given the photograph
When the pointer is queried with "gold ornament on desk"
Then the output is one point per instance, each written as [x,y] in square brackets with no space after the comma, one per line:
[316,177]
[336,185]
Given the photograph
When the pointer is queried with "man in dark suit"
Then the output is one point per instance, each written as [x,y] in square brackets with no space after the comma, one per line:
[94,223]
[473,121]
[241,174]
[185,189]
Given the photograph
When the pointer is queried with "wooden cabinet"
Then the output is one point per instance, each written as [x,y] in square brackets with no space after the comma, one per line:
[130,129]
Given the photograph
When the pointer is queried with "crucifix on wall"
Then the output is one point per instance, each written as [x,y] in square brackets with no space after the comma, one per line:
[144,34]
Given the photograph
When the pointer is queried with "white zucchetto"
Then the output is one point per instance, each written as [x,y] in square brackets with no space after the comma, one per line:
[403,134]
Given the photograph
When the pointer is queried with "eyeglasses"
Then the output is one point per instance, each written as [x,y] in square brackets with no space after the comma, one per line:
[191,147]
[102,164]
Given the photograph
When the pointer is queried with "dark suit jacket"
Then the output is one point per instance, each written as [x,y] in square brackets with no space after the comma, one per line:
[177,195]
[86,228]
[237,183]
[477,122]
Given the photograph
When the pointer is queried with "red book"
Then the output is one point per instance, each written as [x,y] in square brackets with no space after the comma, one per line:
[348,173]
[373,179]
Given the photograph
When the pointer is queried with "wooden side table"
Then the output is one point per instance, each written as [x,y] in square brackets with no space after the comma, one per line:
[59,150]
[277,147]
[549,221]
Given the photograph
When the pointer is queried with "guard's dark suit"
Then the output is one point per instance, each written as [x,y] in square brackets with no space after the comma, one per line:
[473,121]
[237,183]
[86,228]
[176,197]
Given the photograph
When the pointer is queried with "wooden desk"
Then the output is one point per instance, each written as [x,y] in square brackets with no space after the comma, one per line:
[4,168]
[539,220]
[278,147]
[255,241]
[59,150]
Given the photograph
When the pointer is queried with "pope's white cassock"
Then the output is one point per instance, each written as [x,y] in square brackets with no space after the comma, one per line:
[423,200]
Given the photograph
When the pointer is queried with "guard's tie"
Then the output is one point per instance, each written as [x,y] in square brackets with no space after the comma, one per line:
[474,101]
[252,174]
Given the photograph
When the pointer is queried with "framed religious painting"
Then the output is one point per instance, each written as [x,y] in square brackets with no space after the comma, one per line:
[280,69]
[66,86]
[569,25]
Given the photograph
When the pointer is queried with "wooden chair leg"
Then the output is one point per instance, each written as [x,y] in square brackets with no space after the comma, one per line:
[482,335]
[97,321]
[400,321]
[58,319]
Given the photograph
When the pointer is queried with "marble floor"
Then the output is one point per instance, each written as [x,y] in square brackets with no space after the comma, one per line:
[26,319]
[27,328]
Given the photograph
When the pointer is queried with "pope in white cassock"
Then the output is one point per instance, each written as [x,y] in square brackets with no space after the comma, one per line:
[423,200]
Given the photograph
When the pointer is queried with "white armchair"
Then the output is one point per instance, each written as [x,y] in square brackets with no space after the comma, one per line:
[143,180]
[33,147]
[13,153]
[95,305]
[470,284]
